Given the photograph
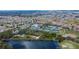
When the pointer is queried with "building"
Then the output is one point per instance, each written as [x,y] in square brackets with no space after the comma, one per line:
[2,28]
[76,28]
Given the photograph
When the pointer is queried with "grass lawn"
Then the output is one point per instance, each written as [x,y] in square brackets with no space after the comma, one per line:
[65,31]
[69,44]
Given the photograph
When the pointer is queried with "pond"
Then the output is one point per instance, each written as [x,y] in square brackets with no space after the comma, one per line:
[33,44]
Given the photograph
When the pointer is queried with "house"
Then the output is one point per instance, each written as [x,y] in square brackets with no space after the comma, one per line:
[2,28]
[76,28]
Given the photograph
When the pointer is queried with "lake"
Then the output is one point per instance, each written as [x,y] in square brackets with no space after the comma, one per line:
[33,44]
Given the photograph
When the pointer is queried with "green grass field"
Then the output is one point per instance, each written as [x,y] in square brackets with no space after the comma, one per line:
[69,44]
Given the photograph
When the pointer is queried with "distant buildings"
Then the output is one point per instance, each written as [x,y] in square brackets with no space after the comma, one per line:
[20,22]
[76,28]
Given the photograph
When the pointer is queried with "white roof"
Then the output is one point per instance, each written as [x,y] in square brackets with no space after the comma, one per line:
[70,35]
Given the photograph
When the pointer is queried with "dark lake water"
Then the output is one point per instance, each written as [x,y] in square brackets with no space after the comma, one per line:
[33,44]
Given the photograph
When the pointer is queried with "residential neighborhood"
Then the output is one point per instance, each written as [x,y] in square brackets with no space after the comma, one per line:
[61,26]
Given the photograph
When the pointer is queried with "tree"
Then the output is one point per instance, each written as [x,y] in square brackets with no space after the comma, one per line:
[47,35]
[4,45]
[60,38]
[6,34]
